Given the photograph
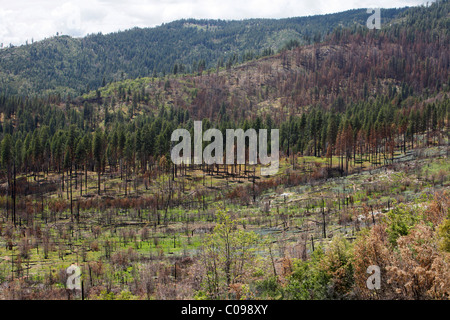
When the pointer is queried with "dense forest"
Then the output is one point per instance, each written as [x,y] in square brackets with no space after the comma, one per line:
[363,114]
[68,65]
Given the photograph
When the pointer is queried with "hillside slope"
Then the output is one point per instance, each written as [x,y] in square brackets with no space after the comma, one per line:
[405,59]
[73,65]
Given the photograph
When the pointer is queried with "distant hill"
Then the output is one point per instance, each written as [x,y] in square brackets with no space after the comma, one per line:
[409,57]
[67,65]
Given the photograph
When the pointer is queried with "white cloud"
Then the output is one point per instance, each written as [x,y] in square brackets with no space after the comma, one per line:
[67,19]
[22,20]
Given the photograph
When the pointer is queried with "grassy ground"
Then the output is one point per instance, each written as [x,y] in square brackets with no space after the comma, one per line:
[284,215]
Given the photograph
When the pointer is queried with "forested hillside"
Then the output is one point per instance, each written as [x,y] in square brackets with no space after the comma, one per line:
[73,65]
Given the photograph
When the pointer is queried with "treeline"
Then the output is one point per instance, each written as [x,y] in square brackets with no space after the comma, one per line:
[372,131]
[38,137]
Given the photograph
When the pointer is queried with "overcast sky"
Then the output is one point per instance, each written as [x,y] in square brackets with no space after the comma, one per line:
[22,20]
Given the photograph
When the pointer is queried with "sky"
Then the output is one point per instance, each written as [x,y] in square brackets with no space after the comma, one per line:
[22,21]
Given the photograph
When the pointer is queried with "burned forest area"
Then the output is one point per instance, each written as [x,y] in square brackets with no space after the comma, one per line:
[93,206]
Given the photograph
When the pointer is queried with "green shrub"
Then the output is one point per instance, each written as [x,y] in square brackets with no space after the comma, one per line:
[309,280]
[400,221]
[444,234]
[269,288]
